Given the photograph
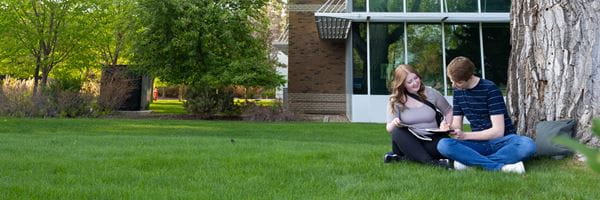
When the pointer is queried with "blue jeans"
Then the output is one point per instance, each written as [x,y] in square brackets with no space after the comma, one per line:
[488,154]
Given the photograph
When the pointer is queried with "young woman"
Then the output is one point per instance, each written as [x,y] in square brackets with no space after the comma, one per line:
[407,107]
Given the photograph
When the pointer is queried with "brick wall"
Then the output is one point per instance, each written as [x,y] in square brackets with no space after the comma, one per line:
[316,68]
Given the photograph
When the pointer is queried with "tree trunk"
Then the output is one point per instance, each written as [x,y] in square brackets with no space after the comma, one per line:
[555,64]
[36,75]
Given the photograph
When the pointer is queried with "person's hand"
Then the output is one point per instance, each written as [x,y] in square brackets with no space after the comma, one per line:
[396,122]
[444,126]
[458,134]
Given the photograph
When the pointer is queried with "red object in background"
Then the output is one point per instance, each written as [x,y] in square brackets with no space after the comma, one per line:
[155,94]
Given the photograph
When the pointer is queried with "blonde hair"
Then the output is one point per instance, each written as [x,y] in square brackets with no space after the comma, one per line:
[398,89]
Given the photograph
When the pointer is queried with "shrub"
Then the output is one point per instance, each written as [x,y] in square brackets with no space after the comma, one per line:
[16,97]
[171,91]
[206,101]
[115,88]
[61,98]
[275,112]
[74,104]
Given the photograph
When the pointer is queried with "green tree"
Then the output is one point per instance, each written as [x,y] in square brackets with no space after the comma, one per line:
[38,35]
[116,25]
[218,43]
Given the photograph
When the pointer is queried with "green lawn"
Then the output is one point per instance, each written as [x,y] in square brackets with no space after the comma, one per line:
[167,106]
[169,159]
[260,102]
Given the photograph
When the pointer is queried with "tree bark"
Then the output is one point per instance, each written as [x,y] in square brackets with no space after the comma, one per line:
[554,64]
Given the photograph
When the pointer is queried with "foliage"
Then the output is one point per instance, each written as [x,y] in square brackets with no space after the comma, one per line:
[17,100]
[115,89]
[114,33]
[592,155]
[196,159]
[66,83]
[219,43]
[15,97]
[204,100]
[40,35]
[258,102]
[73,104]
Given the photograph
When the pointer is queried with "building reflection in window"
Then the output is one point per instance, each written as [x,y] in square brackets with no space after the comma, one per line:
[386,5]
[460,5]
[496,49]
[462,40]
[425,53]
[359,58]
[387,52]
[423,5]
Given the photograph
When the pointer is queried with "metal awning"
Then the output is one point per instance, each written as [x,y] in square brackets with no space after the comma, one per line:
[419,17]
[332,27]
[281,42]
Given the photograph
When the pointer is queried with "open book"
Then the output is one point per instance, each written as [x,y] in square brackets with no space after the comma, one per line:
[422,133]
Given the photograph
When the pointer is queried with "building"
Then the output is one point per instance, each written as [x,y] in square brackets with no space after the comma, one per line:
[342,52]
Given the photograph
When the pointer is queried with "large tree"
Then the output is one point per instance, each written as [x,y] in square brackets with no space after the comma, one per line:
[555,64]
[39,35]
[116,24]
[220,43]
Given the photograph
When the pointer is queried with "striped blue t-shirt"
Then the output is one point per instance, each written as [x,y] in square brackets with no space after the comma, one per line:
[479,103]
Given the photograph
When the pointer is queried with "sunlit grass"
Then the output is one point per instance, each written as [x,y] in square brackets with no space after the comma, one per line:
[168,106]
[260,102]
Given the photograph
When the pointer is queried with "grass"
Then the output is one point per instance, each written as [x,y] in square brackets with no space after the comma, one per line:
[167,106]
[260,102]
[169,159]
[174,106]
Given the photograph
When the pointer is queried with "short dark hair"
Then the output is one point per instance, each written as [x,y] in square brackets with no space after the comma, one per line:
[461,69]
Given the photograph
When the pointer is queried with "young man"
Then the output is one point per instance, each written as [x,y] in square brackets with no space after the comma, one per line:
[493,143]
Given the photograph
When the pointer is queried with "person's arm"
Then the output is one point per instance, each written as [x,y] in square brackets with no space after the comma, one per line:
[496,131]
[457,122]
[392,121]
[442,104]
[392,125]
[447,122]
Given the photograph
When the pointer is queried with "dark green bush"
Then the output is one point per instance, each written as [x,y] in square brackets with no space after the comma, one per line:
[206,101]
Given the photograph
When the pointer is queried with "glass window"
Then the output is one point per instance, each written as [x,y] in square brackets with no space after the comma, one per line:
[496,51]
[387,52]
[495,5]
[385,5]
[460,5]
[462,40]
[359,5]
[359,58]
[425,53]
[423,5]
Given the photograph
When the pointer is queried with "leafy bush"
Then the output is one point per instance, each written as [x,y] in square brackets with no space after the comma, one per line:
[171,91]
[206,101]
[66,84]
[17,100]
[74,104]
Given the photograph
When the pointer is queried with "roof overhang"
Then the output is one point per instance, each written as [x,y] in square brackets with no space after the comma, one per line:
[420,17]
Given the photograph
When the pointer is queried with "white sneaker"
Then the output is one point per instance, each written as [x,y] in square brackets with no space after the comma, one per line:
[459,166]
[518,168]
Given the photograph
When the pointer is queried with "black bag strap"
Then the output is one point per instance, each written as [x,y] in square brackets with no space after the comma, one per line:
[437,111]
